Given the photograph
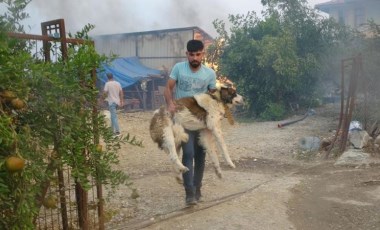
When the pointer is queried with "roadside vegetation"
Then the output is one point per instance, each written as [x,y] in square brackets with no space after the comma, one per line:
[284,60]
[48,124]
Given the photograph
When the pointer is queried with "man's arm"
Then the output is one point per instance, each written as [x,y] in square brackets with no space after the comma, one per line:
[212,90]
[212,85]
[105,92]
[121,95]
[168,94]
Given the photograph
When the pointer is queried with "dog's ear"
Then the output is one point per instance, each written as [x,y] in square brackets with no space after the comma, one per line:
[228,85]
[224,82]
[218,85]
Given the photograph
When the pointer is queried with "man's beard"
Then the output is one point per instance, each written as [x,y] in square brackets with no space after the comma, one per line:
[195,64]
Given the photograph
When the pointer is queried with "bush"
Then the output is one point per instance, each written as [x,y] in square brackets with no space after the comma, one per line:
[273,112]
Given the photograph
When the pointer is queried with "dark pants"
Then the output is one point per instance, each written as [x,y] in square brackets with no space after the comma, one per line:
[194,159]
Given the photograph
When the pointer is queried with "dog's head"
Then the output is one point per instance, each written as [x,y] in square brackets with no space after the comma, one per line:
[227,92]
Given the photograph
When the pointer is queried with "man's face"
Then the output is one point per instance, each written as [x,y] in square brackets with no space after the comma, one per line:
[195,58]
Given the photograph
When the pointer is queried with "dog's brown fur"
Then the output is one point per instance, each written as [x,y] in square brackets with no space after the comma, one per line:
[202,112]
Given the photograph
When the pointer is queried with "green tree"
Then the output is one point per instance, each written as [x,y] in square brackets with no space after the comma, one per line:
[277,60]
[368,47]
[52,125]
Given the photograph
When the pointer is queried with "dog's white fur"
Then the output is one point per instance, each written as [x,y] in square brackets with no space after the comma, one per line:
[107,117]
[168,130]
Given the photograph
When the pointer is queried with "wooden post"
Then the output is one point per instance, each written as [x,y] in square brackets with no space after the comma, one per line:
[350,102]
[45,44]
[153,95]
[55,29]
[99,188]
[62,199]
[82,201]
[339,128]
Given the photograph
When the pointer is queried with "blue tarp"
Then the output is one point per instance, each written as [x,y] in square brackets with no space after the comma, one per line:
[126,70]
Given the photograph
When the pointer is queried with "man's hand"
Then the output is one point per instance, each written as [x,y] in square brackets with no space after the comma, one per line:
[172,107]
[212,90]
[104,95]
[168,94]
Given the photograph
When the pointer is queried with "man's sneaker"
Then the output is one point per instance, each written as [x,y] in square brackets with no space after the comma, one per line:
[190,198]
[198,195]
[117,134]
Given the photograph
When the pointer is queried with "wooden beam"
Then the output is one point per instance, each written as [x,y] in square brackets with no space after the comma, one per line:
[47,38]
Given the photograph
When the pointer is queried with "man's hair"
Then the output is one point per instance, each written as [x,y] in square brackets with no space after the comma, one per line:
[194,45]
[109,75]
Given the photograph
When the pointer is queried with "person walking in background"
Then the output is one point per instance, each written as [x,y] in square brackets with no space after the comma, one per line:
[114,97]
[189,78]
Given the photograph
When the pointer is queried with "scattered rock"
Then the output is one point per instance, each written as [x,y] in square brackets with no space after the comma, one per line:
[309,143]
[353,157]
[359,139]
[355,125]
[376,144]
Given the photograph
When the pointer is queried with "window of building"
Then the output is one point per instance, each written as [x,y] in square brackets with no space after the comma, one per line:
[341,17]
[359,17]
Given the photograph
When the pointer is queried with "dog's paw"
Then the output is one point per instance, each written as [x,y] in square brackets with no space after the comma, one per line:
[185,137]
[231,164]
[185,169]
[179,179]
[218,172]
[182,169]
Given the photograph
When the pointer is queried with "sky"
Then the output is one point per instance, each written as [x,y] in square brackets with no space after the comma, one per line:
[125,16]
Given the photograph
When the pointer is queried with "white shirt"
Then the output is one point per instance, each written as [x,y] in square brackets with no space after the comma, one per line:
[113,89]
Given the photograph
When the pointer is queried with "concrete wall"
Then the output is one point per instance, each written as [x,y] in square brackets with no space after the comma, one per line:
[155,49]
[348,11]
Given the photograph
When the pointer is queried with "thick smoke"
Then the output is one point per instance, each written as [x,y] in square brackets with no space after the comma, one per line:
[120,16]
[124,16]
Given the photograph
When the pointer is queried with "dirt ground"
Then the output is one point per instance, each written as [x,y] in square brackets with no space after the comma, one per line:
[274,186]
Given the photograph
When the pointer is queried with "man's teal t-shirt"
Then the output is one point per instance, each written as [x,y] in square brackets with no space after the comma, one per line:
[189,83]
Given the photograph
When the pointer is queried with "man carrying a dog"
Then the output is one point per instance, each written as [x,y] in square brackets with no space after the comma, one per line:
[189,78]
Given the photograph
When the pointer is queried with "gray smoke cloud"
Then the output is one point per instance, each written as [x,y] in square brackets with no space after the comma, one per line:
[124,16]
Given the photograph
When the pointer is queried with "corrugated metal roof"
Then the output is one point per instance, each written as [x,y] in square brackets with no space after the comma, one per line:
[338,2]
[326,6]
[158,49]
[159,31]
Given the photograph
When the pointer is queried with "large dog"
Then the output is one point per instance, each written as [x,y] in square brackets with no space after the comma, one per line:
[202,112]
